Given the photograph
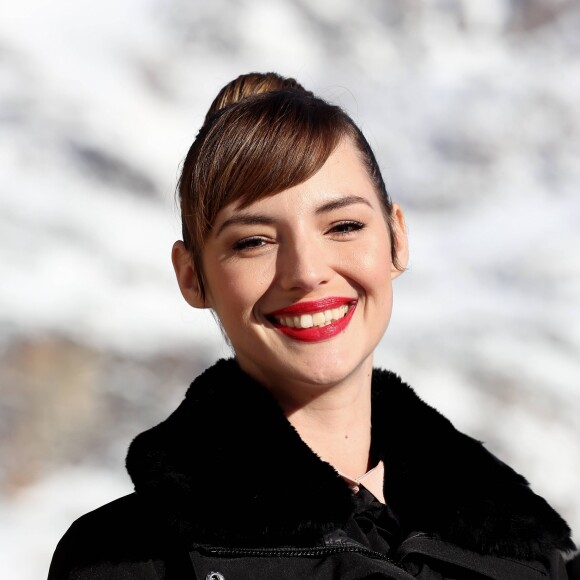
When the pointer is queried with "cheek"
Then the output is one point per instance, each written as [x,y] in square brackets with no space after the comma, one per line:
[373,268]
[236,288]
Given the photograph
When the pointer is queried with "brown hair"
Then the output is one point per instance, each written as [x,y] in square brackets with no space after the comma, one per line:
[263,134]
[252,84]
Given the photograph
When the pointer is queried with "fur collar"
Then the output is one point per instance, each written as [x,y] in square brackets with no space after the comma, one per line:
[229,469]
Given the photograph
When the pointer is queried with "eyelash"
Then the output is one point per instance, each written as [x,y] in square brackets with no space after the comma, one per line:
[346,227]
[340,229]
[248,243]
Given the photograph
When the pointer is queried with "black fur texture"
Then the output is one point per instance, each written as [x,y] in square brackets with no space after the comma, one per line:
[228,468]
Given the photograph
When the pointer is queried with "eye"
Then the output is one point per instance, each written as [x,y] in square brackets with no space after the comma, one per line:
[346,227]
[249,243]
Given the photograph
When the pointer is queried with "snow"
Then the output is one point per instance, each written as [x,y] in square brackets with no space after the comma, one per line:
[33,521]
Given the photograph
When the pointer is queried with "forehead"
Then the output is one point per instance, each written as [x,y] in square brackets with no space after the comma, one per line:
[342,174]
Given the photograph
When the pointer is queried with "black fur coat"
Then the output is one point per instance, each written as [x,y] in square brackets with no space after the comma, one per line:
[227,469]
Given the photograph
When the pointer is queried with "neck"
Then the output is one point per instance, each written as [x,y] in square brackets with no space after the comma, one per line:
[336,425]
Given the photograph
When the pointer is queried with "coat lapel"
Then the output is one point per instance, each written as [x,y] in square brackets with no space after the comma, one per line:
[228,468]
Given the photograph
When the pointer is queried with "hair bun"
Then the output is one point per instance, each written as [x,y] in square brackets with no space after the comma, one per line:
[252,84]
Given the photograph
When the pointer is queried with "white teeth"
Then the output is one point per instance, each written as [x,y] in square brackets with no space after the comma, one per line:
[316,319]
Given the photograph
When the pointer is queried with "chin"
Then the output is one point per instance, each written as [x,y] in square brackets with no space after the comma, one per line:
[332,372]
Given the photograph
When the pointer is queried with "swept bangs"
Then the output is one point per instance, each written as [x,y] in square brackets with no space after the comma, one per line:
[253,149]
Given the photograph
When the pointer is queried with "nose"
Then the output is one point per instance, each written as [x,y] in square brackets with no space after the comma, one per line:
[302,265]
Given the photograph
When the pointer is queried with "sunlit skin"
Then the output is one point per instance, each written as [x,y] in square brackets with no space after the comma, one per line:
[324,241]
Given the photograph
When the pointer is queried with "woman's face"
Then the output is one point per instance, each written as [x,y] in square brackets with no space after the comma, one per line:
[301,280]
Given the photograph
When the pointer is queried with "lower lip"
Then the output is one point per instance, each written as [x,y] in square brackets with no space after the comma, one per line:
[318,333]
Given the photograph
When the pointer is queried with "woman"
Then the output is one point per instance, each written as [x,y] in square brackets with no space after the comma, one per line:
[296,458]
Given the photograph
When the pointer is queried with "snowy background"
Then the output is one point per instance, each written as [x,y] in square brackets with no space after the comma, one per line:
[472,108]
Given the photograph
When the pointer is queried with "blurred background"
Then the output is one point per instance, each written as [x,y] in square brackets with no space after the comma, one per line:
[472,109]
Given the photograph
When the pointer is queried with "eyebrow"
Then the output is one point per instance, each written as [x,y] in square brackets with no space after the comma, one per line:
[251,219]
[246,219]
[342,202]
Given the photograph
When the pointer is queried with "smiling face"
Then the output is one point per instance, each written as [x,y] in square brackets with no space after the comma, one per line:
[301,280]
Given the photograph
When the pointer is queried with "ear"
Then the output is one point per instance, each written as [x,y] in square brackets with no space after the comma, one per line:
[401,240]
[186,275]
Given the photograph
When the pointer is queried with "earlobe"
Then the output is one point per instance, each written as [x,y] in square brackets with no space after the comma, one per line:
[400,239]
[186,275]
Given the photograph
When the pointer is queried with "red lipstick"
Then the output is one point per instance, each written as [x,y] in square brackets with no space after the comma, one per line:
[312,306]
[314,333]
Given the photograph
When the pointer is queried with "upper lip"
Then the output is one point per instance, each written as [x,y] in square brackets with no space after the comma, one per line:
[312,306]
